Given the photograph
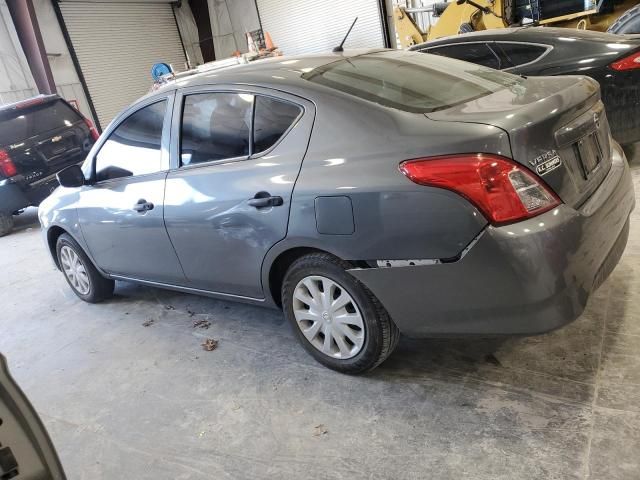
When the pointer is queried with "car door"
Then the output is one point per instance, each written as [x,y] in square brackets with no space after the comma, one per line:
[121,210]
[227,199]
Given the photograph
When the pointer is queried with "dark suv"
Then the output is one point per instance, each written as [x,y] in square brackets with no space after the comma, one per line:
[38,138]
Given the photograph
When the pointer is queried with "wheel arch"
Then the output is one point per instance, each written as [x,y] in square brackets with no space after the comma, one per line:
[278,268]
[52,239]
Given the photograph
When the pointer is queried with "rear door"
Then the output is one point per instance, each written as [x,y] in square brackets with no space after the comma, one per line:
[121,212]
[236,158]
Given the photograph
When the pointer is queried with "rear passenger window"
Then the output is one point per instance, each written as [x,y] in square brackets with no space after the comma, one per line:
[134,147]
[215,126]
[521,53]
[271,120]
[479,53]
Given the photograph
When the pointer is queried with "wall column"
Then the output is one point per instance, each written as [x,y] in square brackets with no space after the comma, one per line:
[26,24]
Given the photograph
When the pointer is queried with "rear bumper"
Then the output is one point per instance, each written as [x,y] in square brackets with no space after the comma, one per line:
[525,278]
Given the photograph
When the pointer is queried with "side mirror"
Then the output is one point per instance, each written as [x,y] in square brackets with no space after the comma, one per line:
[71,177]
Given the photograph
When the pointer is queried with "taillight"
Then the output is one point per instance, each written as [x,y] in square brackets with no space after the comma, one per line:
[92,130]
[631,62]
[502,190]
[7,167]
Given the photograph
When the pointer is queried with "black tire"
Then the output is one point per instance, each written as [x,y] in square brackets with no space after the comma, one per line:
[6,224]
[628,22]
[100,288]
[381,334]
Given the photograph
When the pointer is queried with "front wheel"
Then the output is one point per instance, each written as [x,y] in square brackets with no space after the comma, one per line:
[83,278]
[335,317]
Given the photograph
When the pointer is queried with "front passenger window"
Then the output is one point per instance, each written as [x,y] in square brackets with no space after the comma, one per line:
[134,147]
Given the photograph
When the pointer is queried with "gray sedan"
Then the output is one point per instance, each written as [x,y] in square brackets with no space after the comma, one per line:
[366,194]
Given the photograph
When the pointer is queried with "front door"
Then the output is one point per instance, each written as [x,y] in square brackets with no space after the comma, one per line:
[227,201]
[121,212]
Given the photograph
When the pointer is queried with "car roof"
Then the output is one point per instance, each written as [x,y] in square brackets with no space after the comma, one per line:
[547,35]
[284,70]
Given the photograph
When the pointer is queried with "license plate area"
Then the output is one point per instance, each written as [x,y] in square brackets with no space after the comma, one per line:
[589,152]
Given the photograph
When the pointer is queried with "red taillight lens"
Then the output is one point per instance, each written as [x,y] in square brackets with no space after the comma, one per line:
[92,130]
[631,62]
[7,167]
[502,190]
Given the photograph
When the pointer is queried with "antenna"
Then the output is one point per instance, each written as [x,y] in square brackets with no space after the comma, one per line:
[339,47]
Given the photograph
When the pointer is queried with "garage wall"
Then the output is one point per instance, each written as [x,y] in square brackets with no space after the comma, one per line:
[230,22]
[64,73]
[116,44]
[16,81]
[308,26]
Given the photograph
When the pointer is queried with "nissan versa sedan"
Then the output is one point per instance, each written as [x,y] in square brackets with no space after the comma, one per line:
[367,194]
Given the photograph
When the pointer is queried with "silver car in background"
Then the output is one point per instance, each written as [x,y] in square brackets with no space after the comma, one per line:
[367,194]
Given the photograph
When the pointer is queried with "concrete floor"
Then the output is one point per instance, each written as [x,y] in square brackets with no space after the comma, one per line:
[122,400]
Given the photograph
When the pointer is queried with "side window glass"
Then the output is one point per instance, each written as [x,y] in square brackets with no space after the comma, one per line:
[272,118]
[134,147]
[215,126]
[519,54]
[479,53]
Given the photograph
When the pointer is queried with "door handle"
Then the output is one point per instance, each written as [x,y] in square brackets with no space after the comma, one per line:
[264,199]
[143,206]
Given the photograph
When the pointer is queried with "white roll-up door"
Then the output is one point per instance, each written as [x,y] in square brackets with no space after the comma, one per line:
[308,26]
[116,45]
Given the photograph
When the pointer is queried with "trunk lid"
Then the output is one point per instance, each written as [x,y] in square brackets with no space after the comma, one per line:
[557,128]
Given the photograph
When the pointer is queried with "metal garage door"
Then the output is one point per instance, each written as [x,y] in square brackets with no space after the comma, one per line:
[306,26]
[116,45]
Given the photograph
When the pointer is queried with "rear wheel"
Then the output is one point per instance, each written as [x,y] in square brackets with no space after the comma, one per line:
[83,278]
[335,317]
[6,223]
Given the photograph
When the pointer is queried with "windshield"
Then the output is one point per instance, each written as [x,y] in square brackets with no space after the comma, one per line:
[21,123]
[411,81]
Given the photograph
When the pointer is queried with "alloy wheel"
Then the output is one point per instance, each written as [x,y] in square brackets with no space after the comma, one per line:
[328,317]
[75,270]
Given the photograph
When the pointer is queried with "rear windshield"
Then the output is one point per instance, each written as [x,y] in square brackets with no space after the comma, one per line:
[21,123]
[411,81]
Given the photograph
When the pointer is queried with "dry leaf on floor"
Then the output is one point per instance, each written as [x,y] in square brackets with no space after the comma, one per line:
[210,344]
[320,430]
[148,323]
[201,324]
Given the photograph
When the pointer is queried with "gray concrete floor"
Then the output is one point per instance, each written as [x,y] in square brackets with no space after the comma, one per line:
[122,400]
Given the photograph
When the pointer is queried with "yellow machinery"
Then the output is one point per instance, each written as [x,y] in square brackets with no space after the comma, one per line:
[463,16]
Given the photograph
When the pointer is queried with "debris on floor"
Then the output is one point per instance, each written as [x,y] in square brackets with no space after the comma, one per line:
[148,322]
[191,312]
[169,307]
[201,324]
[320,430]
[210,344]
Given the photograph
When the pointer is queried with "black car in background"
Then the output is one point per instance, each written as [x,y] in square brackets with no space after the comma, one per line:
[38,138]
[612,60]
